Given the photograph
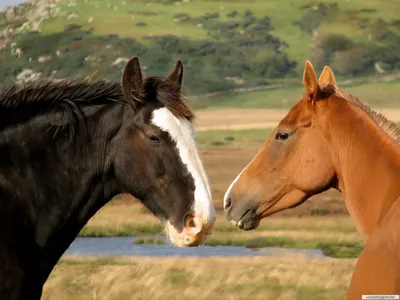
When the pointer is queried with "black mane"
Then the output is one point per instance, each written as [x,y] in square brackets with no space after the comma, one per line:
[19,104]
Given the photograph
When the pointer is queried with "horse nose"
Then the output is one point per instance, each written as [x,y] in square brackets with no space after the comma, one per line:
[240,224]
[197,230]
[228,208]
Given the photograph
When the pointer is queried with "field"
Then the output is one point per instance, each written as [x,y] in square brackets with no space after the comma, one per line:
[229,135]
[176,278]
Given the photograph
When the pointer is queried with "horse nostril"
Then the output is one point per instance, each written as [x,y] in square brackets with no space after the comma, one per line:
[240,224]
[228,202]
[190,222]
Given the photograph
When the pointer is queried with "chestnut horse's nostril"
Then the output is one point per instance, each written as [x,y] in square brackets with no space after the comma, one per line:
[240,224]
[228,202]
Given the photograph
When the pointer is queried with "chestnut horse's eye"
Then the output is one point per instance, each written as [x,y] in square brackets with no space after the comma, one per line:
[154,140]
[282,136]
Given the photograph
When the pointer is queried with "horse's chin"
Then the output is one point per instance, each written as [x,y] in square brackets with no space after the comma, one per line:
[185,238]
[254,225]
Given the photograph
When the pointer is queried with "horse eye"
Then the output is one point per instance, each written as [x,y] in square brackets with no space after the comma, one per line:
[154,140]
[282,136]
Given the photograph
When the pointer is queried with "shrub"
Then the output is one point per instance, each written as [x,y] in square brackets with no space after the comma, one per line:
[70,27]
[232,14]
[350,61]
[315,16]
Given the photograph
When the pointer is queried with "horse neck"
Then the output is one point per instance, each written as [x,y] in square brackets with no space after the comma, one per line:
[67,180]
[367,163]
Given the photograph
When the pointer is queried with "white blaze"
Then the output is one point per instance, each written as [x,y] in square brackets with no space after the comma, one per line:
[182,132]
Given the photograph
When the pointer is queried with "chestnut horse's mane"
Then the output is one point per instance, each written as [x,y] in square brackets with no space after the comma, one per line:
[387,126]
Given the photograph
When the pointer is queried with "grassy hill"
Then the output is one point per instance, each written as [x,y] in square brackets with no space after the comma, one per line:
[121,17]
[224,44]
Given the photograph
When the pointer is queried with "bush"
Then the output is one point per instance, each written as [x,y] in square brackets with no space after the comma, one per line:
[330,47]
[348,57]
[70,27]
[315,15]
[232,14]
[350,61]
[141,24]
[271,65]
[334,42]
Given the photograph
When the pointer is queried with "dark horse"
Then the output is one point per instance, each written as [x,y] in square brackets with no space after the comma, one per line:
[67,148]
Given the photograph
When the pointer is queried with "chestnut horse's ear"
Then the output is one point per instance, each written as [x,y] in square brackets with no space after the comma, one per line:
[310,81]
[327,76]
[177,74]
[132,79]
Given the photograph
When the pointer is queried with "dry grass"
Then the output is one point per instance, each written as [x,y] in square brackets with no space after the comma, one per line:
[321,236]
[193,278]
[128,213]
[123,213]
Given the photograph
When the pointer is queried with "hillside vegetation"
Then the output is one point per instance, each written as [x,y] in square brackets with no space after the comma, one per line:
[224,44]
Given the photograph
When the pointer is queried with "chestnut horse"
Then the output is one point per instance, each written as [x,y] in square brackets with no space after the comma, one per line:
[67,148]
[330,139]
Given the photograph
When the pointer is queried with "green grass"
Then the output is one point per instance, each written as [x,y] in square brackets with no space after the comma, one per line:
[232,138]
[377,94]
[148,241]
[125,230]
[331,248]
[109,20]
[341,250]
[119,19]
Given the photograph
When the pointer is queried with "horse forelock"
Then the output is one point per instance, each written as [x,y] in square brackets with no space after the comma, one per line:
[169,94]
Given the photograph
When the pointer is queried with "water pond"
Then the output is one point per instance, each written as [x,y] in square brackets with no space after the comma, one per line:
[106,246]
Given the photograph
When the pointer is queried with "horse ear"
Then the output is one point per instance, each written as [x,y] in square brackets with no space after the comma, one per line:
[132,79]
[177,74]
[327,76]
[310,81]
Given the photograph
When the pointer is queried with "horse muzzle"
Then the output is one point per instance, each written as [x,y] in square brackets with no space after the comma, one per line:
[194,233]
[241,214]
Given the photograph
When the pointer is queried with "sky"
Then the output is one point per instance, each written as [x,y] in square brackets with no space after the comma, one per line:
[5,3]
